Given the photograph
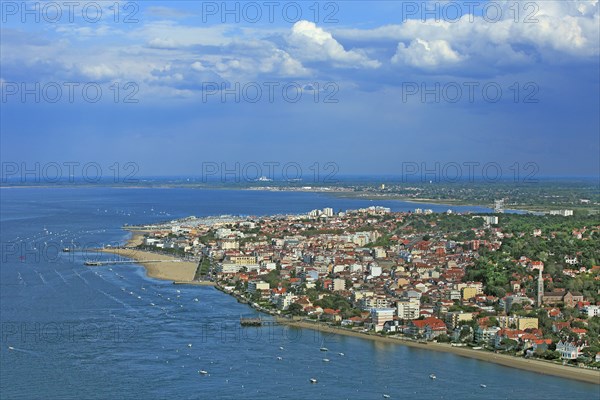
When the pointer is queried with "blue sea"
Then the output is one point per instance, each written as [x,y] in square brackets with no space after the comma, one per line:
[74,332]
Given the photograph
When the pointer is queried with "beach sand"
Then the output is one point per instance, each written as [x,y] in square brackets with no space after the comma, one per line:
[136,239]
[542,367]
[172,269]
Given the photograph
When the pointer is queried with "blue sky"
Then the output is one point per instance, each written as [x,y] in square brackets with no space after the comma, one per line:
[378,84]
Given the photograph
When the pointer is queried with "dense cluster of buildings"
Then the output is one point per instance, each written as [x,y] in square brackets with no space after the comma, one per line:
[394,280]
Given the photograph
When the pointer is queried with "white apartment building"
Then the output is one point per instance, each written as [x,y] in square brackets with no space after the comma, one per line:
[228,268]
[380,316]
[253,286]
[284,301]
[375,271]
[339,284]
[371,302]
[591,311]
[408,309]
[486,335]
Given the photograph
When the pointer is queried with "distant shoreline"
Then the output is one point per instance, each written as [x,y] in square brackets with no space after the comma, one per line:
[346,194]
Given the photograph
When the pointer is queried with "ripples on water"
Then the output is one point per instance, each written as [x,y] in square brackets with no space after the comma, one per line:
[70,331]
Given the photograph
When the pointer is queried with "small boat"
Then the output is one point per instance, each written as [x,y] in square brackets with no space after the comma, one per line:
[189,345]
[386,396]
[483,386]
[323,348]
[432,376]
[313,380]
[280,348]
[280,358]
[11,348]
[196,299]
[341,354]
[326,360]
[203,372]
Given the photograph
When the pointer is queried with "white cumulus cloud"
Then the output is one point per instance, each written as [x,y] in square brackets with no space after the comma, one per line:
[311,43]
[426,54]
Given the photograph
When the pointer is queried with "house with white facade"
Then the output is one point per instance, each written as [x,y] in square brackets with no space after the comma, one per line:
[569,350]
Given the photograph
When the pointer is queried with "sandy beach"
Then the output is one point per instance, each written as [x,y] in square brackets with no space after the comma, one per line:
[136,239]
[542,367]
[171,269]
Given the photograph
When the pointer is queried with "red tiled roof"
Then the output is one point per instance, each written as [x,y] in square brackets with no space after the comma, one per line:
[432,322]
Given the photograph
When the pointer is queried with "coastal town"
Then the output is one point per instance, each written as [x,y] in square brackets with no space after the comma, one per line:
[522,285]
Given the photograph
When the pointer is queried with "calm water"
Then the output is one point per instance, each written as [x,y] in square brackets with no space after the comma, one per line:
[78,332]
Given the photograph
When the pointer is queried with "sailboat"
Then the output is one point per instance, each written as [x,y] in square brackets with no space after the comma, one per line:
[323,348]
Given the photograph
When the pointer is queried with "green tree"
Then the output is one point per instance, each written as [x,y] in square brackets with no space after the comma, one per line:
[295,309]
[551,355]
[443,338]
[509,344]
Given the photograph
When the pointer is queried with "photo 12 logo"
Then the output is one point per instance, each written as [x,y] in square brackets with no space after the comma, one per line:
[255,92]
[43,250]
[469,92]
[469,171]
[17,333]
[70,92]
[252,12]
[68,172]
[525,12]
[269,171]
[271,332]
[55,12]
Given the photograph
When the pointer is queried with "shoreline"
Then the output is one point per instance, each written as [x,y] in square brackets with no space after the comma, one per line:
[531,365]
[182,272]
[349,194]
[169,269]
